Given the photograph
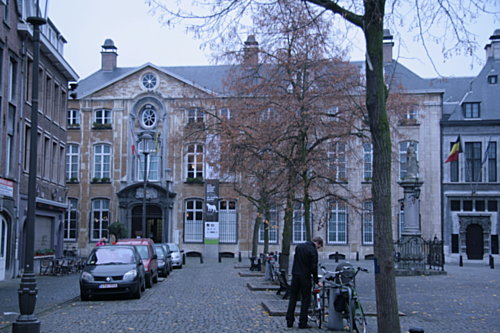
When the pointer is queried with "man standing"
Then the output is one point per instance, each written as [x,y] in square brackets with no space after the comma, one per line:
[305,268]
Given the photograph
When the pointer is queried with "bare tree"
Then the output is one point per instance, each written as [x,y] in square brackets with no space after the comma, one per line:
[224,19]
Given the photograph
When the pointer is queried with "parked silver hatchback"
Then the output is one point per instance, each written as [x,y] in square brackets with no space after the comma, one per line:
[177,254]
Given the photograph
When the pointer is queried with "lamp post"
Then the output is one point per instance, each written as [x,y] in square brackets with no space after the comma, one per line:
[145,150]
[27,321]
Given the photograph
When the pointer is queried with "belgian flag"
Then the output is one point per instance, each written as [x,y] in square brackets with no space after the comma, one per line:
[455,150]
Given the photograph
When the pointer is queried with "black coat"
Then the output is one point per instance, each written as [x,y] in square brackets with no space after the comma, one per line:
[305,261]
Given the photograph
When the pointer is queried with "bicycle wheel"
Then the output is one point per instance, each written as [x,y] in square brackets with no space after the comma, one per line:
[315,311]
[359,318]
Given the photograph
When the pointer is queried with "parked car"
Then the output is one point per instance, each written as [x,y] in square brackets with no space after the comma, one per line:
[177,254]
[111,269]
[145,247]
[164,260]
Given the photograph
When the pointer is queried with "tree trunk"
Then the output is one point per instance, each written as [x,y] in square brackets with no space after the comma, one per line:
[287,232]
[255,240]
[376,95]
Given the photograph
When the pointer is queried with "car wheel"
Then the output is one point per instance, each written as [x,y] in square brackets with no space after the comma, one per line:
[137,293]
[84,296]
[149,281]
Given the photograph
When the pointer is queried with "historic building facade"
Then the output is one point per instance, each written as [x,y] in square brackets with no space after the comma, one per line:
[471,191]
[16,70]
[125,119]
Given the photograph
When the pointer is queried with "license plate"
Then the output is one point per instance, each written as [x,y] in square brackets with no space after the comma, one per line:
[108,285]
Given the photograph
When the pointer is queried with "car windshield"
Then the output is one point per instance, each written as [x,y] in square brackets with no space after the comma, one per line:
[106,256]
[159,252]
[143,251]
[173,247]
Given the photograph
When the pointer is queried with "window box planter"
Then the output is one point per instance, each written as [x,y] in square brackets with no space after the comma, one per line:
[100,126]
[73,126]
[72,180]
[44,252]
[104,180]
[197,180]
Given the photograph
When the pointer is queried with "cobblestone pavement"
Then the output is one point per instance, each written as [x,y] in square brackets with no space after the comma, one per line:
[212,297]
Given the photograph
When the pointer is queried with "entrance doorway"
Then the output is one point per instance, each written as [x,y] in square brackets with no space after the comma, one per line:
[474,241]
[154,221]
[3,246]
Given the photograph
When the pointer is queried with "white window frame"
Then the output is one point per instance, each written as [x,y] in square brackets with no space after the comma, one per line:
[195,116]
[338,160]
[102,116]
[72,161]
[367,161]
[367,230]
[193,221]
[100,219]
[195,161]
[73,117]
[299,224]
[71,220]
[228,221]
[273,227]
[102,161]
[153,162]
[337,223]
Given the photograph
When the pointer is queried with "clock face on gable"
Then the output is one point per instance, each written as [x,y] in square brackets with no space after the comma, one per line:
[149,81]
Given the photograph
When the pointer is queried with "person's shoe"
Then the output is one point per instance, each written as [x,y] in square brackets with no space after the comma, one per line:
[304,326]
[289,324]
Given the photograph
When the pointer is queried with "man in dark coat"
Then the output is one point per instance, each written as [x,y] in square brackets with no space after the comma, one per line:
[305,269]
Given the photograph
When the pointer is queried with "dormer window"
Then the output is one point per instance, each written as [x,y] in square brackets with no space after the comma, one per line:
[471,110]
[492,79]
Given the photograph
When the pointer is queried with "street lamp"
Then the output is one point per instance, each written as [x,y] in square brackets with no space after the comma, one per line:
[27,321]
[146,138]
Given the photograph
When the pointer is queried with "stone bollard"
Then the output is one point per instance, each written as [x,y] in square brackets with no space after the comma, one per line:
[239,256]
[183,258]
[357,255]
[461,262]
[220,260]
[336,256]
[492,262]
[201,258]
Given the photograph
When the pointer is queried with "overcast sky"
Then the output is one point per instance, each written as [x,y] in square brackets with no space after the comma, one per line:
[140,38]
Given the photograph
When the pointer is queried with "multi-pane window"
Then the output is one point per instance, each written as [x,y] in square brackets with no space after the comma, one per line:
[71,220]
[72,162]
[227,221]
[473,161]
[225,113]
[299,224]
[195,115]
[490,157]
[337,223]
[471,110]
[403,148]
[152,162]
[272,226]
[100,219]
[367,222]
[12,80]
[149,116]
[102,161]
[9,145]
[194,159]
[337,161]
[73,118]
[367,161]
[193,221]
[102,116]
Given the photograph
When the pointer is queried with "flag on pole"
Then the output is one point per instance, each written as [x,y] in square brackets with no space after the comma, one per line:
[486,152]
[455,150]
[132,136]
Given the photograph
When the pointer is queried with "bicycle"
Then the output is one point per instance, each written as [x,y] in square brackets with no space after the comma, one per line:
[316,309]
[346,302]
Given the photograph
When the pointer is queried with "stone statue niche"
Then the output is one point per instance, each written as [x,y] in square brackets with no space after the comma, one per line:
[411,162]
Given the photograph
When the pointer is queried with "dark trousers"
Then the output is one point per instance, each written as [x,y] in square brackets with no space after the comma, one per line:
[301,285]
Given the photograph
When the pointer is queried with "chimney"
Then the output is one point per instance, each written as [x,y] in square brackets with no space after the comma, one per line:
[388,45]
[493,49]
[251,51]
[108,55]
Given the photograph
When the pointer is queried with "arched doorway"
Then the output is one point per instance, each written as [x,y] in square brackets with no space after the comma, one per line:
[3,246]
[474,241]
[153,222]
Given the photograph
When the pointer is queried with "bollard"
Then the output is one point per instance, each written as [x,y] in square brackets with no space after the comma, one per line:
[357,255]
[336,256]
[492,262]
[201,258]
[416,330]
[461,262]
[183,258]
[219,258]
[239,256]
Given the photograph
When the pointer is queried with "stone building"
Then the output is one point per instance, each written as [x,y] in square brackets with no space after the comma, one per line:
[16,70]
[121,118]
[470,190]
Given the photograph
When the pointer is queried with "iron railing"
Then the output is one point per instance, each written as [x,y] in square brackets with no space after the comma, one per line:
[415,253]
